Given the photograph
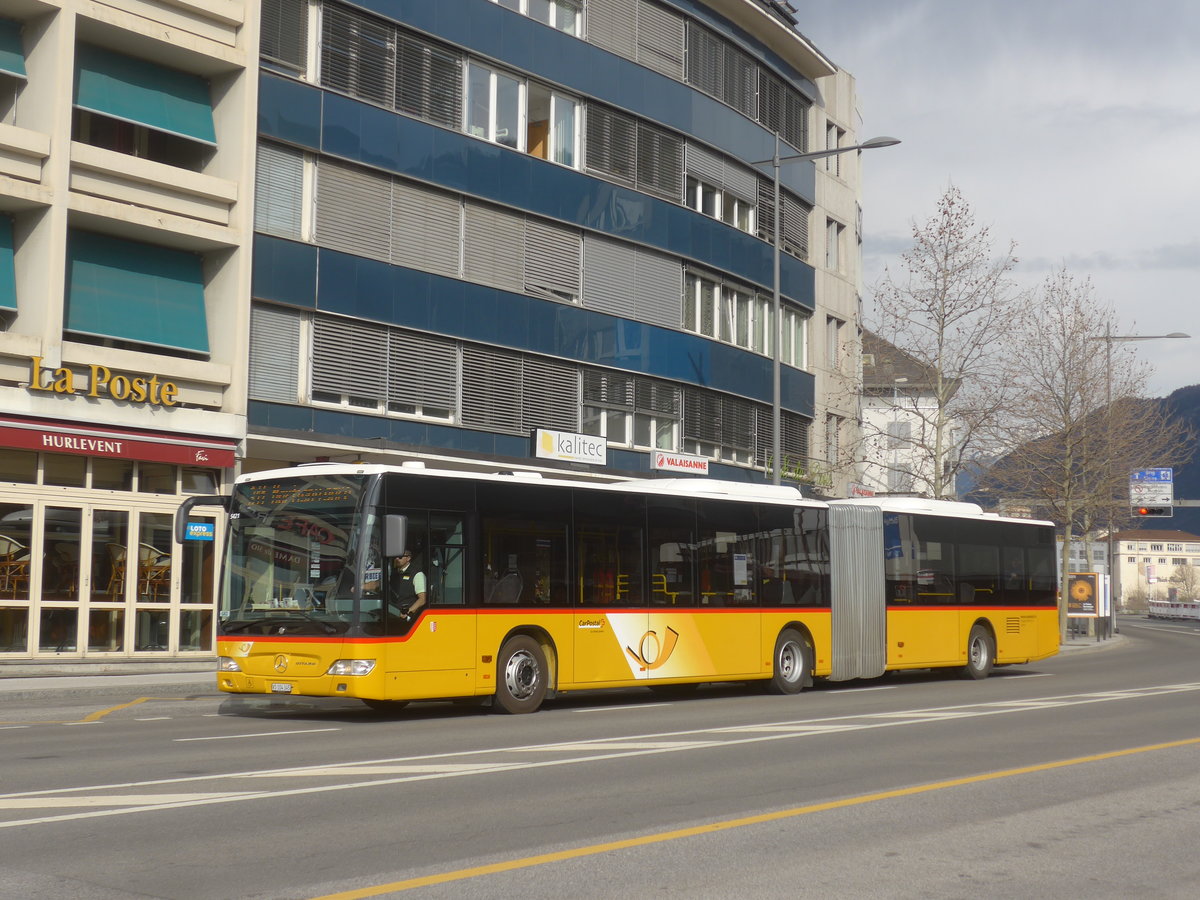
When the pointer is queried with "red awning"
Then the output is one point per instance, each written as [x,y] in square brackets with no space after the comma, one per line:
[117,443]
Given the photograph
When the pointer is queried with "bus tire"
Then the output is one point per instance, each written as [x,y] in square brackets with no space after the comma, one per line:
[981,654]
[789,663]
[521,675]
[386,706]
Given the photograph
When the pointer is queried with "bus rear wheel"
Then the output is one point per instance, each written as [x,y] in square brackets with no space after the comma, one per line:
[790,663]
[981,654]
[521,675]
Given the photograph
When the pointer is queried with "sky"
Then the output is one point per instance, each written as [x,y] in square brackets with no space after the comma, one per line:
[1072,127]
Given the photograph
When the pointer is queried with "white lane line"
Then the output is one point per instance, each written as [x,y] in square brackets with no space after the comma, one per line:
[152,719]
[112,800]
[442,769]
[856,690]
[584,746]
[620,708]
[11,727]
[234,737]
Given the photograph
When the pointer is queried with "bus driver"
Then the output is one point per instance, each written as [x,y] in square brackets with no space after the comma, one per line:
[406,589]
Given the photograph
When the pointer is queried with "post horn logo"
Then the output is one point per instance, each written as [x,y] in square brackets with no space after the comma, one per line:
[650,654]
[281,663]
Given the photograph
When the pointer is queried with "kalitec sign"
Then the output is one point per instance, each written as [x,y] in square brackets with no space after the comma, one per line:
[100,381]
[564,445]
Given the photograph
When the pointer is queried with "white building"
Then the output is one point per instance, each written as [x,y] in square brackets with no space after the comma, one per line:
[898,408]
[1156,564]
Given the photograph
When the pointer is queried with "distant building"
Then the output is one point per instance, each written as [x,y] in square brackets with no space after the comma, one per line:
[1156,564]
[898,408]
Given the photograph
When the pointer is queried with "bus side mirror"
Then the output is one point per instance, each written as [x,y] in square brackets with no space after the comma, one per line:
[181,514]
[395,535]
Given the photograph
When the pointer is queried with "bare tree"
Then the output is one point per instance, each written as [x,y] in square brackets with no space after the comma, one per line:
[1187,580]
[949,312]
[1072,449]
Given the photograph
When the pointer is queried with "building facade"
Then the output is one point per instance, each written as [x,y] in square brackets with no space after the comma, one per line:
[477,233]
[477,220]
[1156,564]
[126,147]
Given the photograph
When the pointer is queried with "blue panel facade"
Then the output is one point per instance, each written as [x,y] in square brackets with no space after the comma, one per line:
[299,274]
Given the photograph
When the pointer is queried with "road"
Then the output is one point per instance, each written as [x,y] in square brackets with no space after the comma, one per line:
[1077,776]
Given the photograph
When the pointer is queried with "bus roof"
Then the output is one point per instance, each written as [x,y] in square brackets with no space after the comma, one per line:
[709,488]
[933,508]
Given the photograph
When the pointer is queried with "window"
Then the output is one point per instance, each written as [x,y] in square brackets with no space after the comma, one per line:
[833,437]
[553,132]
[833,245]
[494,106]
[833,140]
[634,153]
[899,435]
[563,15]
[734,315]
[283,39]
[719,426]
[833,342]
[1179,562]
[717,203]
[630,411]
[793,349]
[141,109]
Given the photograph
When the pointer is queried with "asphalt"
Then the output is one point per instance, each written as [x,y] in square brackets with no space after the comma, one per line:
[25,680]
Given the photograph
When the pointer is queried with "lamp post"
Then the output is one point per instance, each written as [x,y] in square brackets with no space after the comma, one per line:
[1109,339]
[777,332]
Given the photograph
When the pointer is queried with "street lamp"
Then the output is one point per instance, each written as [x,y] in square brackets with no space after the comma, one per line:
[1109,339]
[776,399]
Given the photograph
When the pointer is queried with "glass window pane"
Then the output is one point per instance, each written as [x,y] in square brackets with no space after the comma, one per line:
[709,200]
[689,304]
[106,630]
[593,421]
[110,537]
[19,466]
[153,631]
[642,426]
[14,630]
[201,481]
[616,430]
[664,435]
[154,558]
[195,629]
[708,308]
[508,111]
[15,529]
[539,9]
[156,478]
[692,197]
[57,633]
[197,573]
[566,17]
[479,89]
[60,575]
[564,130]
[112,474]
[67,471]
[742,337]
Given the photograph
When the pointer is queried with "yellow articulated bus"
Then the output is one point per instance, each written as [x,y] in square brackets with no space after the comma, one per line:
[398,583]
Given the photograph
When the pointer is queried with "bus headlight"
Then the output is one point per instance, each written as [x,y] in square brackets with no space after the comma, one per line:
[351,667]
[227,664]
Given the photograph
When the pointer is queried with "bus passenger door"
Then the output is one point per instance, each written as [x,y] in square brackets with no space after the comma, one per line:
[609,609]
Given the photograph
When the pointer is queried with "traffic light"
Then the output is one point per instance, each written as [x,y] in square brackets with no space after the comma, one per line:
[1148,512]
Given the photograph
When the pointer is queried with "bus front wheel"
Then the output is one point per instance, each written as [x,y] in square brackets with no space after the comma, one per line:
[981,653]
[790,663]
[521,675]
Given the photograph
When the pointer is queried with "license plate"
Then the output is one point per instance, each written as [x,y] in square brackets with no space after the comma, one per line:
[279,687]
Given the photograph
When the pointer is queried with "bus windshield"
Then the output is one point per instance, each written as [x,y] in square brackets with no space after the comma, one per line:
[293,566]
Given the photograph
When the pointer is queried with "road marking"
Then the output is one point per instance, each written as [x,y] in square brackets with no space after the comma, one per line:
[234,737]
[620,708]
[729,824]
[153,719]
[491,761]
[111,800]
